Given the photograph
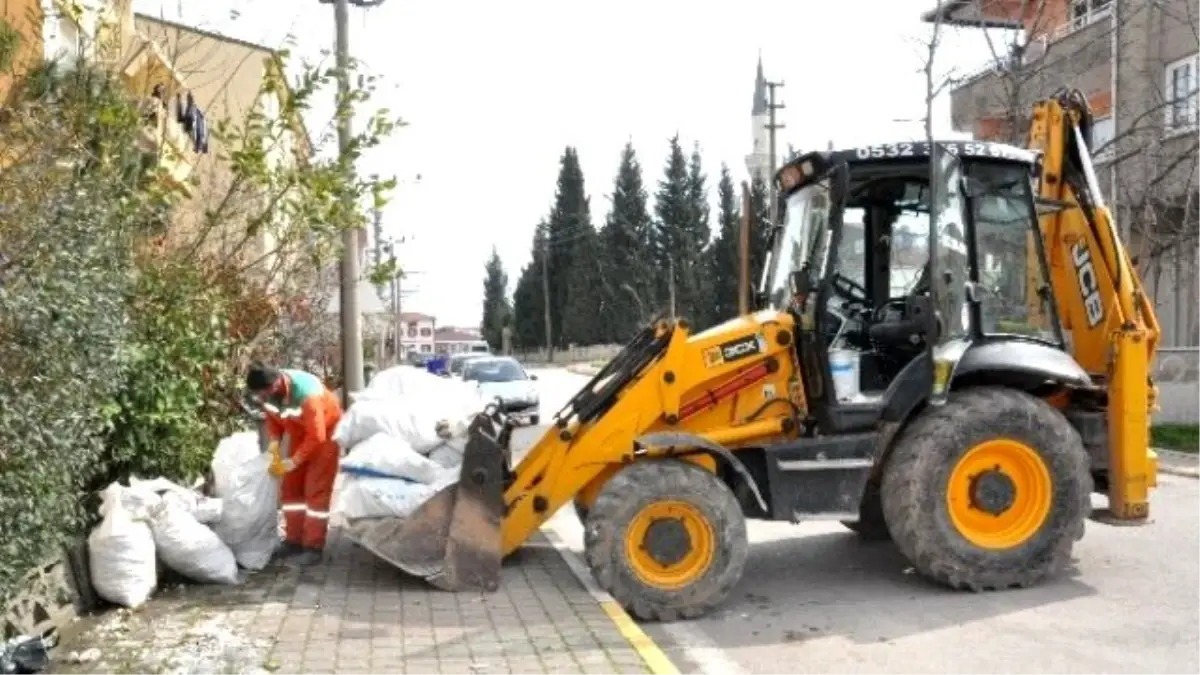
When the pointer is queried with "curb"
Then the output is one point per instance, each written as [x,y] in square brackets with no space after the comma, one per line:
[1176,463]
[654,657]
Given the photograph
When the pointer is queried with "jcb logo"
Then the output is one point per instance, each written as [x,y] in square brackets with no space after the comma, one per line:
[1089,286]
[741,349]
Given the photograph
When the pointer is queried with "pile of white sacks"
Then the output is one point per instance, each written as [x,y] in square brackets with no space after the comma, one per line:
[403,439]
[205,539]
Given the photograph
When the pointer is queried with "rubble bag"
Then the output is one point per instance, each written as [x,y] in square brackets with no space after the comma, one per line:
[249,495]
[207,510]
[121,553]
[190,548]
[391,456]
[377,497]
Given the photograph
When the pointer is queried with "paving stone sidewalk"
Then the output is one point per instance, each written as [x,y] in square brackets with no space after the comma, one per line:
[356,614]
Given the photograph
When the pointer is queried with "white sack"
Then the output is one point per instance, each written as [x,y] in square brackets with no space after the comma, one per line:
[121,552]
[190,548]
[448,454]
[391,455]
[249,497]
[410,403]
[413,418]
[367,497]
[203,509]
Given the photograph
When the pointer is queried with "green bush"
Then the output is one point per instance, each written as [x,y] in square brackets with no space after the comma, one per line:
[121,354]
[171,409]
[64,275]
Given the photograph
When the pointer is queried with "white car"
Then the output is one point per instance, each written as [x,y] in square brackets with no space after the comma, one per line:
[502,379]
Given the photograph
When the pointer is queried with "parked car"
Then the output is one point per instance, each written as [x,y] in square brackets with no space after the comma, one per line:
[503,379]
[459,360]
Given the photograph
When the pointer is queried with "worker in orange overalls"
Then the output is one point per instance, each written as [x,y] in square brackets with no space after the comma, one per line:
[307,412]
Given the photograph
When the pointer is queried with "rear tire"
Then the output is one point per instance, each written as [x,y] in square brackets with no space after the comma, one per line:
[961,542]
[533,420]
[870,525]
[685,567]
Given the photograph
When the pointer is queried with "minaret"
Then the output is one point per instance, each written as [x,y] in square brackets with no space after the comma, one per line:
[758,162]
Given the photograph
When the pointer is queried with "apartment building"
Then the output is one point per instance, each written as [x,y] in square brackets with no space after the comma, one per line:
[419,332]
[198,79]
[186,81]
[1137,62]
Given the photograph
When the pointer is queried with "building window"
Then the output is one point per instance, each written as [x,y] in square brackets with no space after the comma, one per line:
[1181,97]
[425,349]
[1084,12]
[425,332]
[1103,131]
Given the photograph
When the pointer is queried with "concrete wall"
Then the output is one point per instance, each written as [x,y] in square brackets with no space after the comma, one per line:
[571,355]
[1175,374]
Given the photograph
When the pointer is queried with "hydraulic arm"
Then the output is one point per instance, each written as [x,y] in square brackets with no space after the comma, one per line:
[1110,324]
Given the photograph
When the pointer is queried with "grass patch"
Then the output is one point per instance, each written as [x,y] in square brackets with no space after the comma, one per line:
[1179,437]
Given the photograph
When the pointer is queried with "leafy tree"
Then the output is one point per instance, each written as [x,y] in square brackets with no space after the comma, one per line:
[627,280]
[496,310]
[722,255]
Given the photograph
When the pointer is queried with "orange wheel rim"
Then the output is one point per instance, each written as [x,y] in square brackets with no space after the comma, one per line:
[670,544]
[999,494]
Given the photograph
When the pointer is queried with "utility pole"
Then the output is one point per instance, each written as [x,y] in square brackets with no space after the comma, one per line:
[397,348]
[351,315]
[772,127]
[744,253]
[546,296]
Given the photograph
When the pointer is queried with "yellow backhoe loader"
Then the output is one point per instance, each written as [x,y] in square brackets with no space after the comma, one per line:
[951,349]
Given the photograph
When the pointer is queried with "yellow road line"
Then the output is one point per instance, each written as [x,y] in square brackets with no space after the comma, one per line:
[655,658]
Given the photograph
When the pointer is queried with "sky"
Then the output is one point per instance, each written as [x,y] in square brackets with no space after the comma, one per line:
[493,92]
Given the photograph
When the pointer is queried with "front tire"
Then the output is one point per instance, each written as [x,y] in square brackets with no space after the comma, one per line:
[667,539]
[988,491]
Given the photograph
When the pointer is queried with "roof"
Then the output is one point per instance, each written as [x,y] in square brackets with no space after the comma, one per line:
[921,150]
[206,33]
[760,91]
[968,13]
[273,53]
[416,316]
[455,336]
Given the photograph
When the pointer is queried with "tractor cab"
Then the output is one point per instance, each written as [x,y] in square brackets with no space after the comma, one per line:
[908,265]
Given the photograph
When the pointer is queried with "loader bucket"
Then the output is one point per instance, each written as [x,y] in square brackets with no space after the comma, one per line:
[453,539]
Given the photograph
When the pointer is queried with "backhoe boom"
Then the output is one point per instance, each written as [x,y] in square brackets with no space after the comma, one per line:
[1111,325]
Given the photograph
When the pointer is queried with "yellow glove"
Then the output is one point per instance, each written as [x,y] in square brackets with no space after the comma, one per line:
[279,467]
[273,448]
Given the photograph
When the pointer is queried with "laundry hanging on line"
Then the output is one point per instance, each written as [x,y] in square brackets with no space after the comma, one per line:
[192,119]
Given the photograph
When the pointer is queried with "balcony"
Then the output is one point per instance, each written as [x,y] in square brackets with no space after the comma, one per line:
[166,140]
[150,77]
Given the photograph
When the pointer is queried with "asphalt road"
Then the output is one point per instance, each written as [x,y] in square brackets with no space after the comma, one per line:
[815,599]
